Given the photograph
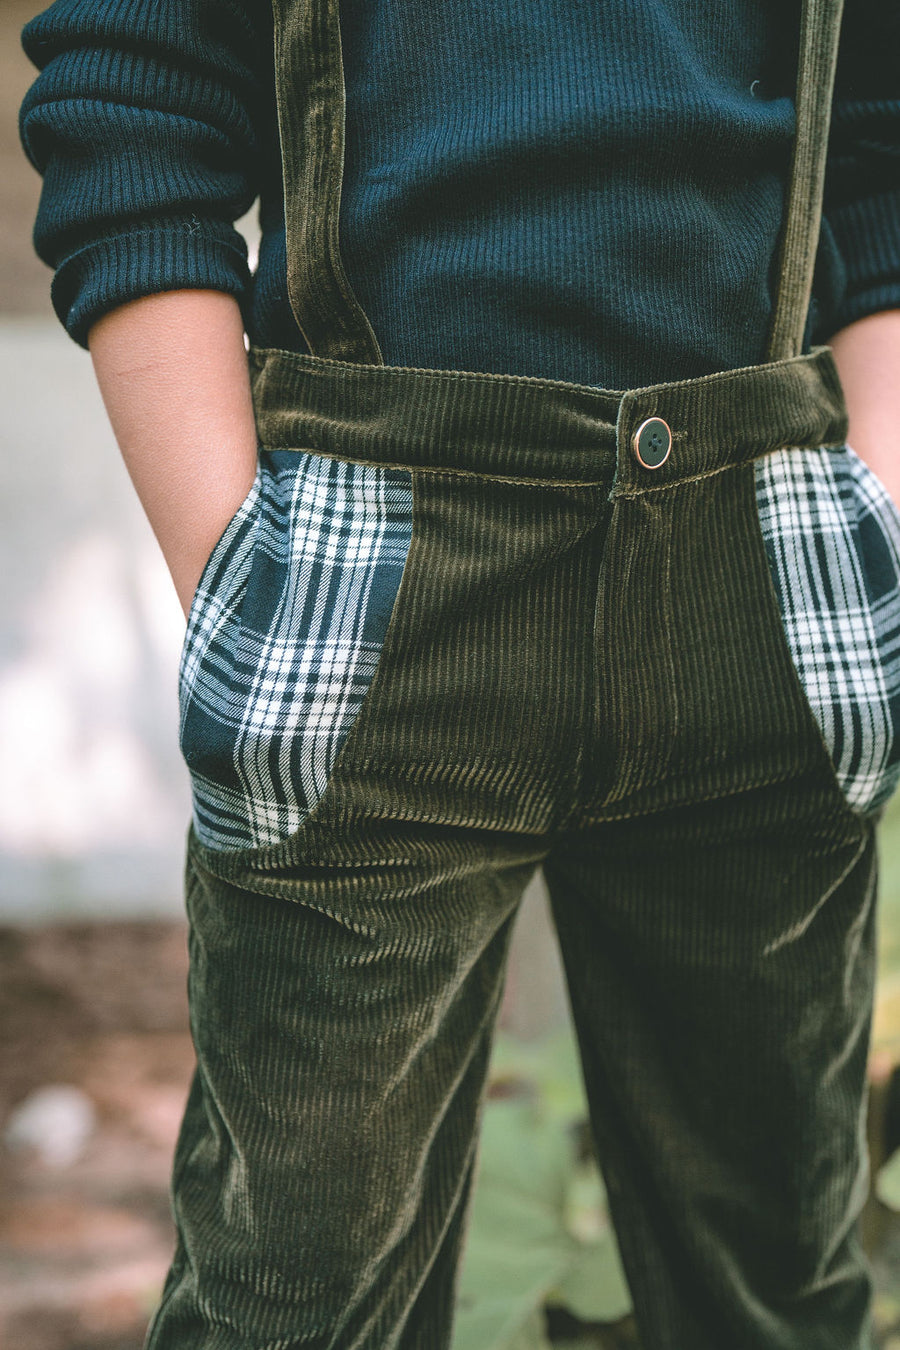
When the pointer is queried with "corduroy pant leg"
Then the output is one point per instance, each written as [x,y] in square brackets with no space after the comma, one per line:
[715,900]
[326,1154]
[345,973]
[720,962]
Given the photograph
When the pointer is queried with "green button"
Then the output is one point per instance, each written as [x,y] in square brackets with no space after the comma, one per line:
[652,443]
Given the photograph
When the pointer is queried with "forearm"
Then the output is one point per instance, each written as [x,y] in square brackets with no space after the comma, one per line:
[868,359]
[172,369]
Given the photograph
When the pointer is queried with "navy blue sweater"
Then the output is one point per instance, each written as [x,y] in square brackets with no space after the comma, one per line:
[588,190]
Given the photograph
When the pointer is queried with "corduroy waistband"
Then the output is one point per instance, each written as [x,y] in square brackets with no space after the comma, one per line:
[513,426]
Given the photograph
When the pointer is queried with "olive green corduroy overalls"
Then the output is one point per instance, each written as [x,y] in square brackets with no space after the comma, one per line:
[585,669]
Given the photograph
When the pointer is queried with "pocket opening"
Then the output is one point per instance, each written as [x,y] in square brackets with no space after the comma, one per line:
[832,541]
[267,712]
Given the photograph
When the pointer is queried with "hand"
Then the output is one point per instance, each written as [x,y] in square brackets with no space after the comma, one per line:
[187,566]
[867,354]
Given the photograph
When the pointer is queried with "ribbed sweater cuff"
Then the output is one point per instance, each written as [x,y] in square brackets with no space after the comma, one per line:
[110,271]
[867,234]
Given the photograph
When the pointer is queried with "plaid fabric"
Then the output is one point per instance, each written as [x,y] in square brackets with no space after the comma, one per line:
[832,537]
[283,639]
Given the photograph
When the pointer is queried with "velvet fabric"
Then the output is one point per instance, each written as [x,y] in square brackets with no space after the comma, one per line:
[585,670]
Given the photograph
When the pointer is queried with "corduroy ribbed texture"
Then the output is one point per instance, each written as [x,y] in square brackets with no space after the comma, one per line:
[720,965]
[585,667]
[308,57]
[800,233]
[550,431]
[600,683]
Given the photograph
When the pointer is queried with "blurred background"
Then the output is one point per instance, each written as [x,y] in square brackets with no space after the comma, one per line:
[95,1055]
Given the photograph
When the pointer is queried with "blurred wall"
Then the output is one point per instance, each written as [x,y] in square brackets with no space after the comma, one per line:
[93,796]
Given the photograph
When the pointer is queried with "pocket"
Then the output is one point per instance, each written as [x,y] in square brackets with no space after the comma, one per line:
[286,632]
[832,541]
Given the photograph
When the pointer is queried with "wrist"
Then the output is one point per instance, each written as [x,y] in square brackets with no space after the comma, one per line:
[867,354]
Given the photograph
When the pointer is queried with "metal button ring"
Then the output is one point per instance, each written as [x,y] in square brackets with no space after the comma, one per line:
[652,443]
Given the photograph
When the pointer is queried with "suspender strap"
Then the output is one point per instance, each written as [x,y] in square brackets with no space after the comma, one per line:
[309,82]
[309,85]
[820,25]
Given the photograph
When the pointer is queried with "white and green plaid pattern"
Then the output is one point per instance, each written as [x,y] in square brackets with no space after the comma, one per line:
[832,537]
[290,616]
[283,639]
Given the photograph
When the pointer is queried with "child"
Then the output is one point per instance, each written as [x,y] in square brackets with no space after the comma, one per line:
[526,534]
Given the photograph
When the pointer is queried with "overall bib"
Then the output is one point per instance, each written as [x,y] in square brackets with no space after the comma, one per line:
[465,625]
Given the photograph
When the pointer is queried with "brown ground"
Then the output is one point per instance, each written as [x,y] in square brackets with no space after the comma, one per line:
[84,1245]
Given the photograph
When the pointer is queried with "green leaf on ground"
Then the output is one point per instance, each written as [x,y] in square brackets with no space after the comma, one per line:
[516,1247]
[593,1288]
[584,1204]
[531,1336]
[552,1067]
[538,1230]
[887,1183]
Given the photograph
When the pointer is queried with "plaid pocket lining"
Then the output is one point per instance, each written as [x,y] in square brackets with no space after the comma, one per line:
[832,539]
[284,638]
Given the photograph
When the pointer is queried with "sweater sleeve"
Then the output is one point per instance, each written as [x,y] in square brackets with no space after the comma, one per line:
[145,124]
[861,227]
